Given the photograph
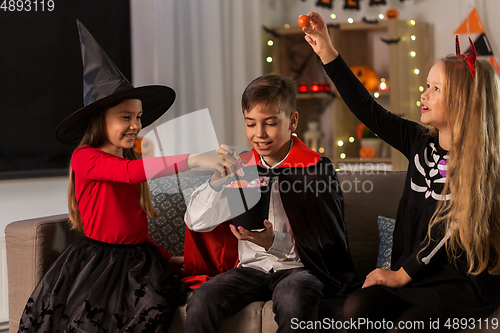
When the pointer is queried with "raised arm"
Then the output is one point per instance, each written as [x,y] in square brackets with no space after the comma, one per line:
[391,128]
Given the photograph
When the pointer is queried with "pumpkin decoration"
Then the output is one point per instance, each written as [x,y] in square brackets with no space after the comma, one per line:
[367,76]
[144,148]
[367,152]
[392,14]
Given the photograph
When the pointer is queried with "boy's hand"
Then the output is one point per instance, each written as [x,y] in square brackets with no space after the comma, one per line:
[384,277]
[177,265]
[317,36]
[227,154]
[263,238]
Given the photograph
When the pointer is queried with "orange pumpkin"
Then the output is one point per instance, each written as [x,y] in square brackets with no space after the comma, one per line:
[144,148]
[367,152]
[367,76]
[392,14]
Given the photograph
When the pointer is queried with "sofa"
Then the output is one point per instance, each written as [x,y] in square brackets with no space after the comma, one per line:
[34,244]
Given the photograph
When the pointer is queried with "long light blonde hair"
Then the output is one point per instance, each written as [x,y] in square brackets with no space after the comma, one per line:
[95,136]
[473,170]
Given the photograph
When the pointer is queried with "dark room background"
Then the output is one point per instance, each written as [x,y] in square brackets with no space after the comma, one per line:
[41,75]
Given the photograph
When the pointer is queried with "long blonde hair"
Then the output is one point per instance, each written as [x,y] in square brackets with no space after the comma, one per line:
[95,136]
[473,170]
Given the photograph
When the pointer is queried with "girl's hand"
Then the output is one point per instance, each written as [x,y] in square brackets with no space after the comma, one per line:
[317,36]
[384,277]
[219,178]
[223,164]
[264,238]
[177,265]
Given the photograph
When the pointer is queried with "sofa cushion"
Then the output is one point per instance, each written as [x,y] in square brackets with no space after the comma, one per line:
[169,196]
[385,232]
[367,195]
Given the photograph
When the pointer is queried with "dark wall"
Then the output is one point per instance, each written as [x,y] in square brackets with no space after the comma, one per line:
[41,77]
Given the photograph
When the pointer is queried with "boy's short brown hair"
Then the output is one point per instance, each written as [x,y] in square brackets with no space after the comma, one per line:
[271,88]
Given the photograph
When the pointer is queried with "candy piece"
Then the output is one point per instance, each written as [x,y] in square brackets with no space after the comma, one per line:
[242,162]
[304,21]
[240,184]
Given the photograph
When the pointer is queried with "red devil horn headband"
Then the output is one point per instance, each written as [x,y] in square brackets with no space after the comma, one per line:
[470,59]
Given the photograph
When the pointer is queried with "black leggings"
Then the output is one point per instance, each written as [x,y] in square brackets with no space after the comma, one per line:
[374,309]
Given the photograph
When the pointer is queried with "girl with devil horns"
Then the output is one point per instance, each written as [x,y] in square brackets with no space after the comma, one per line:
[446,252]
[115,278]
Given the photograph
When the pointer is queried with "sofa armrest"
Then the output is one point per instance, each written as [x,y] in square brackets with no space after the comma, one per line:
[32,247]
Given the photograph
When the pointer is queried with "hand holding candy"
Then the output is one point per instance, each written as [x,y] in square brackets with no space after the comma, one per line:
[317,36]
[304,21]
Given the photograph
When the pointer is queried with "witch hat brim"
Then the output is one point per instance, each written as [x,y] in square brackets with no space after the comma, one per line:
[104,87]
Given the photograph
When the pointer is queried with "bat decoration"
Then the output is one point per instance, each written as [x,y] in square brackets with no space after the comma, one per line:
[370,21]
[391,41]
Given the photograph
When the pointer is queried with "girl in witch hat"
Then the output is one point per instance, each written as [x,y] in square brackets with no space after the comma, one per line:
[115,278]
[446,249]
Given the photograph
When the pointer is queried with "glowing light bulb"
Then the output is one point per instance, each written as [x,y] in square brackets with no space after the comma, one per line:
[421,88]
[350,20]
[333,16]
[418,103]
[351,139]
[340,143]
[376,95]
[413,54]
[270,42]
[343,156]
[413,37]
[269,59]
[416,71]
[321,150]
[381,16]
[412,22]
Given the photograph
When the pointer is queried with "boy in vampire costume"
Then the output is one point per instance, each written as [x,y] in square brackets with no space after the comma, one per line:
[299,255]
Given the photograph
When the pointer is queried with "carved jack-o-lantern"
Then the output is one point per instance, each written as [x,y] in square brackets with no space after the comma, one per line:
[367,76]
[367,152]
[392,14]
[144,148]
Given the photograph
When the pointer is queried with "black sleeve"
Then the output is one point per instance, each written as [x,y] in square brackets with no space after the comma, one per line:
[430,252]
[396,131]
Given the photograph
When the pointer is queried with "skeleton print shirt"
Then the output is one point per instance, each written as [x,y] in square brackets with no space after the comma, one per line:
[425,177]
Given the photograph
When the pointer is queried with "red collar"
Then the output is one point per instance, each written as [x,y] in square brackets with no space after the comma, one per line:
[300,156]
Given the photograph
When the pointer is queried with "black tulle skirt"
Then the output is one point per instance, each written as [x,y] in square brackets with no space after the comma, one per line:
[100,287]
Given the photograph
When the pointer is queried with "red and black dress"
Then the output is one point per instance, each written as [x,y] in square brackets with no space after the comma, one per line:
[116,278]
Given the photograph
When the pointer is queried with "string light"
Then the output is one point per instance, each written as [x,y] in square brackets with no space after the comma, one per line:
[269,59]
[340,143]
[412,22]
[413,37]
[270,42]
[343,156]
[351,139]
[418,103]
[413,54]
[421,88]
[287,26]
[321,150]
[350,20]
[376,95]
[416,71]
[333,16]
[381,16]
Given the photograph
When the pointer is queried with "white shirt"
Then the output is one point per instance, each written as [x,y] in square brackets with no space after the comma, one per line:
[206,210]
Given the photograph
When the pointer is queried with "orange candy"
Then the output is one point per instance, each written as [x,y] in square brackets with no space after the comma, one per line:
[304,21]
[240,184]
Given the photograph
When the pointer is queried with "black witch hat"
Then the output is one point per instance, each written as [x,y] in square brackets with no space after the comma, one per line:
[104,86]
